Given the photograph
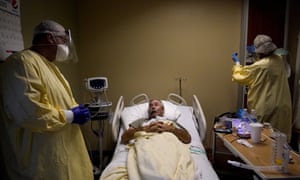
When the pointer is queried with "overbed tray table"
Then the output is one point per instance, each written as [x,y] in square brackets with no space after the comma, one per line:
[261,155]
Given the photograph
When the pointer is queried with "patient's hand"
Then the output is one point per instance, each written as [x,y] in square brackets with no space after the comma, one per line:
[159,127]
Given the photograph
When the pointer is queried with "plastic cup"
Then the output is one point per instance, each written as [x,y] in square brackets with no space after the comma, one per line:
[255,132]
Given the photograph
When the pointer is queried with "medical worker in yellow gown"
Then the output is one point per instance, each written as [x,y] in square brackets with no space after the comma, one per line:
[267,81]
[39,130]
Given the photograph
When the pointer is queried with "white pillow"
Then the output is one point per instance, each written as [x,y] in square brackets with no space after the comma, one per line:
[139,111]
[132,113]
[171,112]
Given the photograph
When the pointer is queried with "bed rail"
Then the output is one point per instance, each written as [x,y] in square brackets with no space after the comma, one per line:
[200,117]
[139,99]
[116,123]
[176,99]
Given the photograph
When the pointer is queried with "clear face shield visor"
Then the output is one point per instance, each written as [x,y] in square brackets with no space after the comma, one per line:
[72,55]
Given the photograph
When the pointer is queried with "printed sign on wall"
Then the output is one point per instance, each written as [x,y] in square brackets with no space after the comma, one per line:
[10,28]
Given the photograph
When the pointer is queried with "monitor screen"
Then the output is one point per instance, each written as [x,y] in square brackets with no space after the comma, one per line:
[97,83]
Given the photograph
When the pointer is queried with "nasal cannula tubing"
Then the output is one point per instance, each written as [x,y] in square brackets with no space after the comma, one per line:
[262,168]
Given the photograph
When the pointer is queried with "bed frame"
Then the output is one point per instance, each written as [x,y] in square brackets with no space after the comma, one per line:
[191,117]
[199,116]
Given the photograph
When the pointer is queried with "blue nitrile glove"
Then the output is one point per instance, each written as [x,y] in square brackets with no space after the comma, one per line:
[81,114]
[251,49]
[235,58]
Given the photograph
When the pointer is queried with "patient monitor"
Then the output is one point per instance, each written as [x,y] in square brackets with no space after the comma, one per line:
[100,109]
[96,84]
[99,105]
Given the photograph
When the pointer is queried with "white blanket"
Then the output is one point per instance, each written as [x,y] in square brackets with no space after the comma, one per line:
[159,156]
[153,156]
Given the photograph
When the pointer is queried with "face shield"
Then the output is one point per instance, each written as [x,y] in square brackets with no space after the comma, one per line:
[71,55]
[64,43]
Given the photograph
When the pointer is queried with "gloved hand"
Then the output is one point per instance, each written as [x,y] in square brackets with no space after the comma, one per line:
[235,58]
[81,114]
[251,49]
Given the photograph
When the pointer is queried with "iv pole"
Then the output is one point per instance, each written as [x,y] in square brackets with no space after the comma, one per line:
[180,79]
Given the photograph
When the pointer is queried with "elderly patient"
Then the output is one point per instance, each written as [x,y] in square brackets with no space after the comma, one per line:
[155,124]
[157,149]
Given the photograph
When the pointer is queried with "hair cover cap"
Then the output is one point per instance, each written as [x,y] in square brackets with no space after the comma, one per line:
[263,44]
[49,26]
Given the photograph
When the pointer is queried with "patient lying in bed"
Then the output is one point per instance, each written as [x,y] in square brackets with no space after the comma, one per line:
[157,149]
[156,123]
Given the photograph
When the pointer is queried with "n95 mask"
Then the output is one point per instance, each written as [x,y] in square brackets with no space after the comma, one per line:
[62,53]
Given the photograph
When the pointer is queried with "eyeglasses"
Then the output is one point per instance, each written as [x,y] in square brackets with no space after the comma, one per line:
[62,39]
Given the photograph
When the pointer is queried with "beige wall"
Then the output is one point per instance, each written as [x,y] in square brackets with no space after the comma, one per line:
[143,46]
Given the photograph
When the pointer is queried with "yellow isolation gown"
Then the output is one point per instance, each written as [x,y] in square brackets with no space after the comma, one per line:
[268,91]
[36,140]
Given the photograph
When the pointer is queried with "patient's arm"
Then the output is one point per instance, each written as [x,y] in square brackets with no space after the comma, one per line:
[129,134]
[158,127]
[182,135]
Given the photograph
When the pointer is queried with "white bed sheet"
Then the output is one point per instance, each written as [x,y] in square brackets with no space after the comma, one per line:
[203,167]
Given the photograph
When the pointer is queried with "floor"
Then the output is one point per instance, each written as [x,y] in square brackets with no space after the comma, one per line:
[107,155]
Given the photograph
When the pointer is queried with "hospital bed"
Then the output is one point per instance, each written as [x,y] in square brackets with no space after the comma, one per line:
[190,117]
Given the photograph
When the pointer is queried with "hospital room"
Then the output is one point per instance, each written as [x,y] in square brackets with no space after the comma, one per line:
[192,56]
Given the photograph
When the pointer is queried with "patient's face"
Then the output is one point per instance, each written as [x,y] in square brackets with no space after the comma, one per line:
[156,108]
